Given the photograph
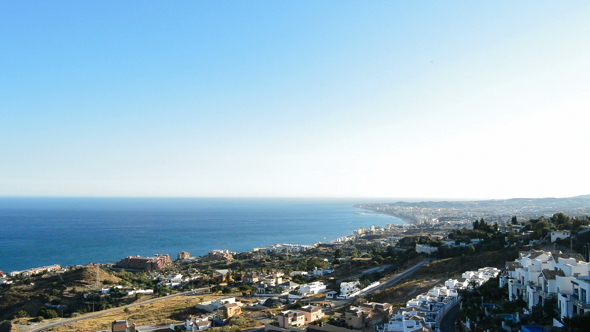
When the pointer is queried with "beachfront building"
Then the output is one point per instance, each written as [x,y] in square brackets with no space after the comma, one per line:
[219,255]
[155,263]
[36,270]
[184,255]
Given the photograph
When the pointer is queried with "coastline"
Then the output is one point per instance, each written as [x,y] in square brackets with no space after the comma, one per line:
[410,220]
[76,234]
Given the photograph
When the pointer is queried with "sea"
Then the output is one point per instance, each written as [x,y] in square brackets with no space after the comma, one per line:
[37,232]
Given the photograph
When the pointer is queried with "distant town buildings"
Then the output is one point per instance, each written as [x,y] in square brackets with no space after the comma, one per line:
[281,248]
[464,212]
[36,270]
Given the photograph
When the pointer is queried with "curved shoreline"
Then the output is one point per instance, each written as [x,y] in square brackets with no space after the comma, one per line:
[322,223]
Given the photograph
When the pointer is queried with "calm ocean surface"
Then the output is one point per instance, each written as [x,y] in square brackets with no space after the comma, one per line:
[42,231]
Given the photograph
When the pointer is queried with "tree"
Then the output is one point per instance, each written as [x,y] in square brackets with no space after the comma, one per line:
[316,262]
[560,218]
[22,314]
[47,313]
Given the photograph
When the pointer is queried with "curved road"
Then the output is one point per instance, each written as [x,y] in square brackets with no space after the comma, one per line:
[447,324]
[337,303]
[99,313]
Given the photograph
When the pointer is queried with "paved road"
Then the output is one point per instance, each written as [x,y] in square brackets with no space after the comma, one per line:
[340,303]
[397,278]
[447,324]
[38,328]
[335,303]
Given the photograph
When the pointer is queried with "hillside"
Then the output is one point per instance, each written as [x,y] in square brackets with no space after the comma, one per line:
[30,294]
[438,272]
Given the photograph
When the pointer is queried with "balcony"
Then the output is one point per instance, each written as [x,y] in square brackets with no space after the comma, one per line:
[580,303]
[546,295]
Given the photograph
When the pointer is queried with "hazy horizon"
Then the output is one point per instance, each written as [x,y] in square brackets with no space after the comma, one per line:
[300,99]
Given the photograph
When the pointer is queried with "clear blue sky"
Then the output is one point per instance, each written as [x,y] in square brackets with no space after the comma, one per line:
[469,99]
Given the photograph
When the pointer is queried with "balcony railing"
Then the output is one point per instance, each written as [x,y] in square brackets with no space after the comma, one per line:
[580,303]
[546,295]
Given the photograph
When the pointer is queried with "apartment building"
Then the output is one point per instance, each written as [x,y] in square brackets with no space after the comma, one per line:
[537,275]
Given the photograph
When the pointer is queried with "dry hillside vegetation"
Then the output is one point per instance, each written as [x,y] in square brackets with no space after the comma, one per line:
[437,272]
[168,311]
[71,284]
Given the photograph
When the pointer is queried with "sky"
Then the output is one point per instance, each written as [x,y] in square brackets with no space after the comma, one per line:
[447,99]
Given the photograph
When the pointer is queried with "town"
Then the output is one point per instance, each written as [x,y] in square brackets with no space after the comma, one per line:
[511,275]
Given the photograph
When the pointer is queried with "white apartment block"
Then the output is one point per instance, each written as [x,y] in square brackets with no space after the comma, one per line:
[424,312]
[539,275]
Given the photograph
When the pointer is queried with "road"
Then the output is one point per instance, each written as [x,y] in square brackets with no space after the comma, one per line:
[398,277]
[390,282]
[37,328]
[335,303]
[447,324]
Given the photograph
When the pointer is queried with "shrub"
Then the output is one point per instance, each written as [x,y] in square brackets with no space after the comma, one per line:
[22,314]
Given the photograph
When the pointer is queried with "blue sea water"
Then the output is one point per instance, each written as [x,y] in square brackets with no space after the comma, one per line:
[68,231]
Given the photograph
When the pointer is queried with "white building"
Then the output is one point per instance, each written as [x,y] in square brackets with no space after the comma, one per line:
[424,312]
[425,249]
[349,289]
[563,234]
[315,287]
[197,323]
[539,275]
